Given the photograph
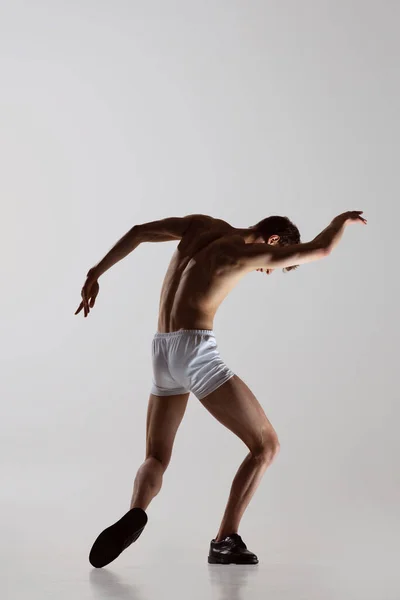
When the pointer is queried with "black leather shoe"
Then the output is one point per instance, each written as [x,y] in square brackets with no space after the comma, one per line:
[231,550]
[116,538]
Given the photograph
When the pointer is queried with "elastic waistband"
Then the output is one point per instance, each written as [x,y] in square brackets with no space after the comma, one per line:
[184,332]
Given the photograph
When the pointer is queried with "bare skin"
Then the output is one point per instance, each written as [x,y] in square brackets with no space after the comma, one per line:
[211,258]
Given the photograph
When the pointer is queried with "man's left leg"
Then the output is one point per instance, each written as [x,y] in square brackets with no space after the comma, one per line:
[164,416]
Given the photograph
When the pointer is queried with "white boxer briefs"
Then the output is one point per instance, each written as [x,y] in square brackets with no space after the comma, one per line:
[187,361]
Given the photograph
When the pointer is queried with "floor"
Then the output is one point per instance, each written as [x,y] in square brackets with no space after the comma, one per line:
[64,577]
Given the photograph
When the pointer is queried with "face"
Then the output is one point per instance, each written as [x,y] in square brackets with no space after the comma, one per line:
[272,240]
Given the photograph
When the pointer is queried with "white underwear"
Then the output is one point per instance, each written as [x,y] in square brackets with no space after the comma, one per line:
[187,361]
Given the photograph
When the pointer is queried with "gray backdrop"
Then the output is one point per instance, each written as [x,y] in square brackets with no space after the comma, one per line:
[116,113]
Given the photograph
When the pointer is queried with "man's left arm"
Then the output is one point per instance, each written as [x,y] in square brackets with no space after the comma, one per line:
[164,230]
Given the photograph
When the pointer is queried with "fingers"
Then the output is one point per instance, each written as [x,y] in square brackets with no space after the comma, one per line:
[87,310]
[94,293]
[85,303]
[89,294]
[355,216]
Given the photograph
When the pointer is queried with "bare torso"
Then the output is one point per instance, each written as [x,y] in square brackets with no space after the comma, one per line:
[199,277]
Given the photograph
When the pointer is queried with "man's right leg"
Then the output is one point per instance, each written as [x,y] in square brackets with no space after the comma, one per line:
[236,407]
[164,416]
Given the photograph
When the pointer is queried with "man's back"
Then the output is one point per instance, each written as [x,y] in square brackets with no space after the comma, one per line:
[199,276]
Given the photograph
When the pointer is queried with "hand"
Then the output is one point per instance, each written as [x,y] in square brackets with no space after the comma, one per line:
[89,293]
[351,216]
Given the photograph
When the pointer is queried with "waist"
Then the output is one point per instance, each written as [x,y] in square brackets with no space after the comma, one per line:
[184,332]
[184,318]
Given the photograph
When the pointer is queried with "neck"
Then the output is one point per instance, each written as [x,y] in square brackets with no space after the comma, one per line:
[249,235]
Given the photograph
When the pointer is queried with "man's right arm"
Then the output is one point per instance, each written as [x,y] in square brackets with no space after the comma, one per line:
[256,256]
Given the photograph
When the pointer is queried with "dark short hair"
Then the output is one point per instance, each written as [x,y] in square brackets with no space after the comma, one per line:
[282,226]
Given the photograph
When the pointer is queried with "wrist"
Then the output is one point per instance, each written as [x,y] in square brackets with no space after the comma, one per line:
[95,272]
[341,220]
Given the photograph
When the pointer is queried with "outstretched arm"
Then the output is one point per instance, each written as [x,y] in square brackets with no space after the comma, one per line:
[254,256]
[165,230]
[171,228]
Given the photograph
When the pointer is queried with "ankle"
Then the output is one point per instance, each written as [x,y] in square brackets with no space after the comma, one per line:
[224,534]
[143,506]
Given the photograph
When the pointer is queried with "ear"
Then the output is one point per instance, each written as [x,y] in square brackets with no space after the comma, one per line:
[273,239]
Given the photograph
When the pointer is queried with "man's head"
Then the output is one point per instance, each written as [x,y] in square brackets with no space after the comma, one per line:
[279,231]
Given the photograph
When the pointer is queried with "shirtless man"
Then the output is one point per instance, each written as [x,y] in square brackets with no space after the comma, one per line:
[211,258]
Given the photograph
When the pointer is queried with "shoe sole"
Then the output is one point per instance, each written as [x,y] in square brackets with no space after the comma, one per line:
[222,560]
[116,538]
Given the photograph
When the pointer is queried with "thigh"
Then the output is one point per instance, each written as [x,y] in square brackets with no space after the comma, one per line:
[164,415]
[234,405]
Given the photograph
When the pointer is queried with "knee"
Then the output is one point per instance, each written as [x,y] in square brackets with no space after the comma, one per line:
[159,460]
[266,449]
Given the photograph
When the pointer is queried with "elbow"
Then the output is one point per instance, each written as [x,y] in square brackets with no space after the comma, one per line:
[138,234]
[324,252]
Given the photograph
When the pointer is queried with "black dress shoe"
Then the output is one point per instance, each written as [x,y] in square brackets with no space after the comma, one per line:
[116,538]
[231,550]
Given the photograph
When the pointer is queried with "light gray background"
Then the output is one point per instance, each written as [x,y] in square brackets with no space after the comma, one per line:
[116,113]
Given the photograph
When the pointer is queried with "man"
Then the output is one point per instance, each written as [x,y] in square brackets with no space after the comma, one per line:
[211,258]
